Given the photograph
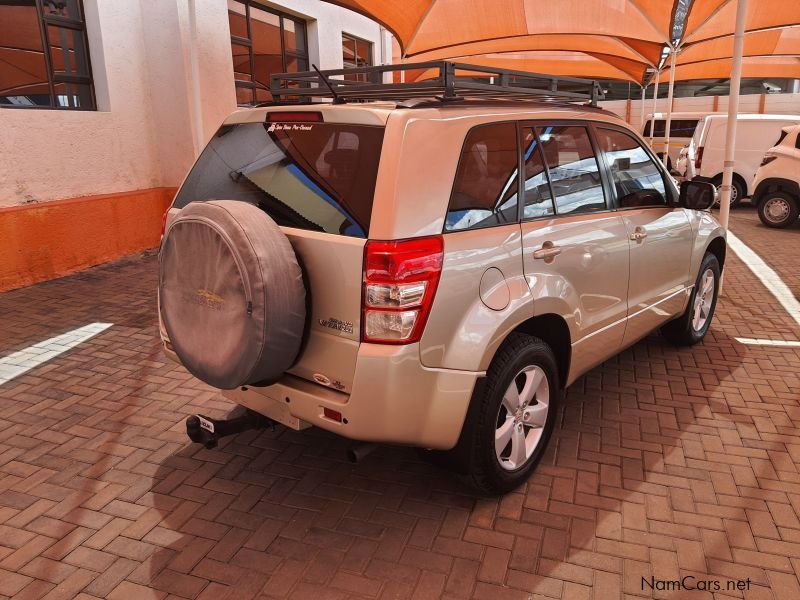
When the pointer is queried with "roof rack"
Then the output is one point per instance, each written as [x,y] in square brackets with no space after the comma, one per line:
[474,81]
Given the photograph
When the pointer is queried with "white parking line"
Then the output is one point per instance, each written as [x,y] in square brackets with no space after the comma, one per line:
[24,360]
[763,342]
[771,280]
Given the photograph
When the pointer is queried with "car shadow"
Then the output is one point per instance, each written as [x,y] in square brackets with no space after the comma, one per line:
[269,510]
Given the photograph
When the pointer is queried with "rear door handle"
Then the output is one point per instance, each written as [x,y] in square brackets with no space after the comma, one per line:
[639,234]
[547,252]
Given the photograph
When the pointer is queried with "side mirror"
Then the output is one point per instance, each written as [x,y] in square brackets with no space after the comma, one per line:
[697,195]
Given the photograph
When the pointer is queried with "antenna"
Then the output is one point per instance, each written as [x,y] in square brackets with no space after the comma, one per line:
[336,98]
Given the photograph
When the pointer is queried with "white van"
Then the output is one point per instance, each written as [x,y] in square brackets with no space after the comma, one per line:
[681,130]
[704,157]
[777,182]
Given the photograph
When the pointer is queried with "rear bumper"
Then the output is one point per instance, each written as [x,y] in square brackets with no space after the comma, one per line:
[394,399]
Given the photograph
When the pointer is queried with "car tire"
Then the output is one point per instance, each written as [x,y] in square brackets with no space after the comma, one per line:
[737,190]
[778,209]
[526,364]
[691,327]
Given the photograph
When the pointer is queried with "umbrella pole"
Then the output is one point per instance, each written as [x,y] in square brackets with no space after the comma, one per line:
[733,110]
[655,108]
[668,124]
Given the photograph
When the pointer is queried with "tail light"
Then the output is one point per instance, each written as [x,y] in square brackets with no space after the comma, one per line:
[164,222]
[768,159]
[698,159]
[400,280]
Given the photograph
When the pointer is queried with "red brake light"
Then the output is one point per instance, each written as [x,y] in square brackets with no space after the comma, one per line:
[295,117]
[698,159]
[400,280]
[164,222]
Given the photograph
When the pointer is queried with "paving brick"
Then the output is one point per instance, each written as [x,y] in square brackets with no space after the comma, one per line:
[664,461]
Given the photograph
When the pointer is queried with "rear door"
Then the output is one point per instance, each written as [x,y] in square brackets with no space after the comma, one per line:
[575,250]
[316,180]
[659,233]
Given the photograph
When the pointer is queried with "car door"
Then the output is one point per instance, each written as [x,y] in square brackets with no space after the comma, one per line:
[575,250]
[659,233]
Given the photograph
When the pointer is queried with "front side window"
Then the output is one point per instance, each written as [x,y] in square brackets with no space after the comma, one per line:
[574,173]
[356,53]
[485,188]
[263,42]
[44,55]
[636,178]
[313,176]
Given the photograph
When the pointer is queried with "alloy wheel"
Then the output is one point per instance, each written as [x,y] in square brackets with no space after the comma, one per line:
[521,417]
[703,300]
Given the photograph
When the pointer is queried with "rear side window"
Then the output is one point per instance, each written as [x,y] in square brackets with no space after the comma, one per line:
[781,137]
[574,173]
[485,188]
[636,178]
[313,176]
[679,128]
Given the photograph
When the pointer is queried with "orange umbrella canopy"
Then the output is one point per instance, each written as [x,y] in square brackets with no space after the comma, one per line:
[615,39]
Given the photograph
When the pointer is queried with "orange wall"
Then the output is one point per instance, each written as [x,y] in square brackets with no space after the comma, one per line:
[50,239]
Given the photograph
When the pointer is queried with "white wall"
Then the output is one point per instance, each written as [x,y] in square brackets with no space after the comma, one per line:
[141,136]
[773,104]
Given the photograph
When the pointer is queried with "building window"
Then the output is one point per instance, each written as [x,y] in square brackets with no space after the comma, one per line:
[44,55]
[356,53]
[263,42]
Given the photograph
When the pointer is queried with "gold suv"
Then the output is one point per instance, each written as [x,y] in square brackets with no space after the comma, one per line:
[432,272]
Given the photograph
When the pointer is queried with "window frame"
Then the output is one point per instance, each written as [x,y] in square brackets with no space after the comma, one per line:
[356,42]
[248,43]
[607,184]
[79,26]
[604,176]
[671,200]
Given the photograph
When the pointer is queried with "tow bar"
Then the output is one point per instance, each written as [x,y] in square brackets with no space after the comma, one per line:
[208,431]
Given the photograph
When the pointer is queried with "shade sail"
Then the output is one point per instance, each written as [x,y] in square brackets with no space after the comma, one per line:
[424,26]
[771,42]
[709,19]
[758,67]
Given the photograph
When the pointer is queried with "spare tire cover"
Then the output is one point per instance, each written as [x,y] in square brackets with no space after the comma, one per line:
[231,293]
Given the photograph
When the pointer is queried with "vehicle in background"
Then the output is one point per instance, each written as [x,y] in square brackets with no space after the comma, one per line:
[777,181]
[704,156]
[681,130]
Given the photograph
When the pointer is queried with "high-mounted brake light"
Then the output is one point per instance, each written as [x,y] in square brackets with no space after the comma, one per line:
[400,280]
[295,117]
[698,159]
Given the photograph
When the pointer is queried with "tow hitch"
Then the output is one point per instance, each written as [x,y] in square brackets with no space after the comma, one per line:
[207,431]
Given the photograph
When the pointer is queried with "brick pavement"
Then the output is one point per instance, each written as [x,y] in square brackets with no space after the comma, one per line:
[664,462]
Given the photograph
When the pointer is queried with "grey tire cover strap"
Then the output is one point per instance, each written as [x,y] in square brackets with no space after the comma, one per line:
[231,293]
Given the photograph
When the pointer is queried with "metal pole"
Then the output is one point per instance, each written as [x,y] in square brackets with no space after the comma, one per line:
[197,105]
[655,107]
[668,124]
[733,110]
[641,111]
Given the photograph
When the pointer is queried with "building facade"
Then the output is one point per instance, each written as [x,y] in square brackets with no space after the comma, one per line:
[104,105]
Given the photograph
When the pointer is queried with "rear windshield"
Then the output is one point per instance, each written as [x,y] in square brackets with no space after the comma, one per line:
[314,176]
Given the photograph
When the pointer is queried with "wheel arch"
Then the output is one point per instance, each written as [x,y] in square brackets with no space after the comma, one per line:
[553,330]
[736,177]
[718,247]
[777,184]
